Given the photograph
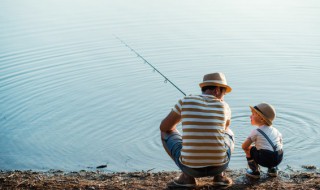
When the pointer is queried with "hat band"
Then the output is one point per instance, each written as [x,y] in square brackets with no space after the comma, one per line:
[215,81]
[255,107]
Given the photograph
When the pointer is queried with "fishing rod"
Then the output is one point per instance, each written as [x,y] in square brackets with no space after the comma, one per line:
[166,79]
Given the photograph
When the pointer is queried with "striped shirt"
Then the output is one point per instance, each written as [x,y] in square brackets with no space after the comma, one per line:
[203,125]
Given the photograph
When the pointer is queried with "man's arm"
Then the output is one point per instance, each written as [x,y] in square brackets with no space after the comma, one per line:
[228,123]
[170,122]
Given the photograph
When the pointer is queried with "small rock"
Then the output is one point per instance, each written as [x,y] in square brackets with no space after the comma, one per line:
[101,166]
[309,167]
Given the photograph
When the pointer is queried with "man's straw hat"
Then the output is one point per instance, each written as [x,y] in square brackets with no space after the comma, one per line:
[215,79]
[266,111]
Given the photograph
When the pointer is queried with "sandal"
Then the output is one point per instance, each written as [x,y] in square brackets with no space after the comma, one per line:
[181,181]
[220,180]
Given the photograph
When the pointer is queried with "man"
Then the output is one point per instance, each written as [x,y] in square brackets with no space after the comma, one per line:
[205,146]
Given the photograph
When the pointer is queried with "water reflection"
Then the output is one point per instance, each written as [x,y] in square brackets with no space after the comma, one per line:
[73,97]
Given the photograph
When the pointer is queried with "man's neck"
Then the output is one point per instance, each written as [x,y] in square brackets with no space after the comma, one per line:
[208,94]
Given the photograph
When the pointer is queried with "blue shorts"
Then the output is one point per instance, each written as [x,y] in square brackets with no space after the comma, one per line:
[173,143]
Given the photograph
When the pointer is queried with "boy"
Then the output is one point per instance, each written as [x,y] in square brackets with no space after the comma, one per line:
[267,151]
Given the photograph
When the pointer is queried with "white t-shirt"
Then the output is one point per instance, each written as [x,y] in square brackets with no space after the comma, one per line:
[261,142]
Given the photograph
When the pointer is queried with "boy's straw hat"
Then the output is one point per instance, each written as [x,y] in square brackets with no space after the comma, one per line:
[266,111]
[215,79]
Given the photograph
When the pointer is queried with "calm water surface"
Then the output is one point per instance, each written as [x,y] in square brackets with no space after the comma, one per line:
[73,97]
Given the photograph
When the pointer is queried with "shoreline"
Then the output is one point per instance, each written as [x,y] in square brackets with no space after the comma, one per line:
[57,179]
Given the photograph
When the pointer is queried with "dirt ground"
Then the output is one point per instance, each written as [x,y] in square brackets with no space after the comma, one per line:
[91,180]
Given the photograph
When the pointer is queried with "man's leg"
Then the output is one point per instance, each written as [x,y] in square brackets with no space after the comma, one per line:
[172,143]
[221,179]
[229,139]
[164,138]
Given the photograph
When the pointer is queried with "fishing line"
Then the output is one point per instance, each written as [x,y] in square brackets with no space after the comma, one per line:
[155,69]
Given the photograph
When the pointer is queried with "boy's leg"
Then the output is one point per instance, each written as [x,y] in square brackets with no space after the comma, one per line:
[273,171]
[254,169]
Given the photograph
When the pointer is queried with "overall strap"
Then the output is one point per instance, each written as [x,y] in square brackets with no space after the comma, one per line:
[273,146]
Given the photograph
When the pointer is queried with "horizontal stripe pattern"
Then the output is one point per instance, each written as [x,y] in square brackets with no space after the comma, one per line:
[203,117]
[203,125]
[195,110]
[201,130]
[198,136]
[202,144]
[202,163]
[202,122]
[201,141]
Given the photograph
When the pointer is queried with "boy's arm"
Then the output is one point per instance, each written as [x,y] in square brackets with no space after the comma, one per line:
[246,144]
[170,122]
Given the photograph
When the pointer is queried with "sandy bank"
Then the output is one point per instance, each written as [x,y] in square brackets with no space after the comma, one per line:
[55,179]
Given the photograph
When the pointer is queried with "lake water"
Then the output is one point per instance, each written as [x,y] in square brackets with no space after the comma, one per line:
[73,97]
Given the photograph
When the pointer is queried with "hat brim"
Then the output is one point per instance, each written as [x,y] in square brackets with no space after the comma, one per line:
[261,115]
[203,84]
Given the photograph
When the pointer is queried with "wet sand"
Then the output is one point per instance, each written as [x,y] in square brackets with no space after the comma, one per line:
[56,179]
